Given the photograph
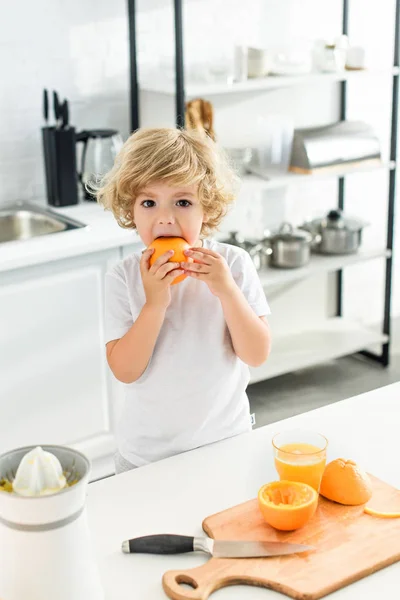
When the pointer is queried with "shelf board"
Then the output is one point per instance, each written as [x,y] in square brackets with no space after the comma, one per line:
[278,179]
[271,82]
[319,263]
[327,340]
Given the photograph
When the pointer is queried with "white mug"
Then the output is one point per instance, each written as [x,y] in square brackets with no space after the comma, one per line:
[259,62]
[355,58]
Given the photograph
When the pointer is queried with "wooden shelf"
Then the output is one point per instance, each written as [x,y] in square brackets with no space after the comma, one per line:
[326,340]
[271,82]
[278,179]
[319,263]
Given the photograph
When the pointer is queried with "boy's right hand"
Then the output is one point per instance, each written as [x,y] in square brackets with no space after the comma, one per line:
[157,278]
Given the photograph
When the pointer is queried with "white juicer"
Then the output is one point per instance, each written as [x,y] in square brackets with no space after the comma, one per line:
[46,551]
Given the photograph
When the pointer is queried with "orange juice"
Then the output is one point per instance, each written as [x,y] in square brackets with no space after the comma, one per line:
[300,462]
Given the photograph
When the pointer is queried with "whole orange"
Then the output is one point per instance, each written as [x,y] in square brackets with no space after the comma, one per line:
[287,505]
[178,245]
[343,481]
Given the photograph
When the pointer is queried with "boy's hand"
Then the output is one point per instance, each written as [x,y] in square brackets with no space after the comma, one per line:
[211,268]
[157,278]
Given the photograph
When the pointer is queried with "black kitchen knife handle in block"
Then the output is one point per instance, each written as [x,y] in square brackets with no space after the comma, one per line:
[56,107]
[65,113]
[45,105]
[49,153]
[162,544]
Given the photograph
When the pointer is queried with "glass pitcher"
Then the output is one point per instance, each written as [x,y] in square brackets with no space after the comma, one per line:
[100,147]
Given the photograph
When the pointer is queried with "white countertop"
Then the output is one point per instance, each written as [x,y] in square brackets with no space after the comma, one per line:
[102,233]
[175,495]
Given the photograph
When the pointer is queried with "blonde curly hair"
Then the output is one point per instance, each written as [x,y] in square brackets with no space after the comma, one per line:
[177,157]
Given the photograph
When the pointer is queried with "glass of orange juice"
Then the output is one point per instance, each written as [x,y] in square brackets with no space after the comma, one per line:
[300,456]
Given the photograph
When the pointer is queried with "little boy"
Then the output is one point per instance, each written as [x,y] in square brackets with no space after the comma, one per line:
[183,350]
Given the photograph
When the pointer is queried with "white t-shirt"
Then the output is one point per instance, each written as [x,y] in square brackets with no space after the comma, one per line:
[193,391]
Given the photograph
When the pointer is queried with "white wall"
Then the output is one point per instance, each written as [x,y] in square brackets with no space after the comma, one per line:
[77,48]
[81,49]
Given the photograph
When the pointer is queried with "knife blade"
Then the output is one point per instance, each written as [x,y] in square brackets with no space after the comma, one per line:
[177,544]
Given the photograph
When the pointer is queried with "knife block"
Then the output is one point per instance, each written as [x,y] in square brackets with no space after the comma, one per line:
[59,149]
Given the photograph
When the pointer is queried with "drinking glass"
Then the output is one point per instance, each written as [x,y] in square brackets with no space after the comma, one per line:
[300,456]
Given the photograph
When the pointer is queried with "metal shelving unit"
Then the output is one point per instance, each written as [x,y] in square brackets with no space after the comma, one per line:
[353,337]
[164,86]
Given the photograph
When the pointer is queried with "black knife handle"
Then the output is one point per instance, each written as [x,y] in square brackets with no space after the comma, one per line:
[65,113]
[161,544]
[56,106]
[45,105]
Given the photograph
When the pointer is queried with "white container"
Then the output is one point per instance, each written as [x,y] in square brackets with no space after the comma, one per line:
[274,147]
[333,59]
[259,62]
[240,63]
[330,57]
[355,58]
[45,549]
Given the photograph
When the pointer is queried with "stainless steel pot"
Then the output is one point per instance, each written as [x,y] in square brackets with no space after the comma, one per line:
[335,233]
[253,247]
[289,248]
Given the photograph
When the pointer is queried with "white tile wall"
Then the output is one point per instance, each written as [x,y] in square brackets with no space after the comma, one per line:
[81,49]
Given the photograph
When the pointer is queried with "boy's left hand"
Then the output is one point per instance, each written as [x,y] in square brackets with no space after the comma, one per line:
[211,268]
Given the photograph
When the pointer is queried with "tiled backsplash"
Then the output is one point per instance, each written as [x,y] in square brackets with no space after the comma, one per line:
[78,49]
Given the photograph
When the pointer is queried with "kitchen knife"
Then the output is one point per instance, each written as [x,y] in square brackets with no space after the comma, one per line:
[65,114]
[177,544]
[57,108]
[46,106]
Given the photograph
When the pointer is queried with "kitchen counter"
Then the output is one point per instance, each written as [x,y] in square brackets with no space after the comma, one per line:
[175,495]
[102,232]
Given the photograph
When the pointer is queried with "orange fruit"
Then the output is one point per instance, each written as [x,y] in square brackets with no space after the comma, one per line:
[287,505]
[178,245]
[343,481]
[382,515]
[390,509]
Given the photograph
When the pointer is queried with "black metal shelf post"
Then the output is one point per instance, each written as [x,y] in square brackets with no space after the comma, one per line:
[179,68]
[133,73]
[392,187]
[341,190]
[384,357]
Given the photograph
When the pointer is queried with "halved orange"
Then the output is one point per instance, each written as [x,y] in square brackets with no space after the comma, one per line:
[287,505]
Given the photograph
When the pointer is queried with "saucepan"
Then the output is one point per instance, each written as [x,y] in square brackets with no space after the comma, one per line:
[288,248]
[254,247]
[335,233]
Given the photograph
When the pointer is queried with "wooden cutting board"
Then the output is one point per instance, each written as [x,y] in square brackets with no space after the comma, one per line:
[349,545]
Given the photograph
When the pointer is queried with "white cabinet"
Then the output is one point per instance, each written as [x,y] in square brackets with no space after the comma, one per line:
[55,384]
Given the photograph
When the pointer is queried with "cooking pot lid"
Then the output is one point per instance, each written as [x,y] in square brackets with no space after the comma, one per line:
[288,233]
[336,220]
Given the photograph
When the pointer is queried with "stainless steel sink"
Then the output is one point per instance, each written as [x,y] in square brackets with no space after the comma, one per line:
[23,221]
